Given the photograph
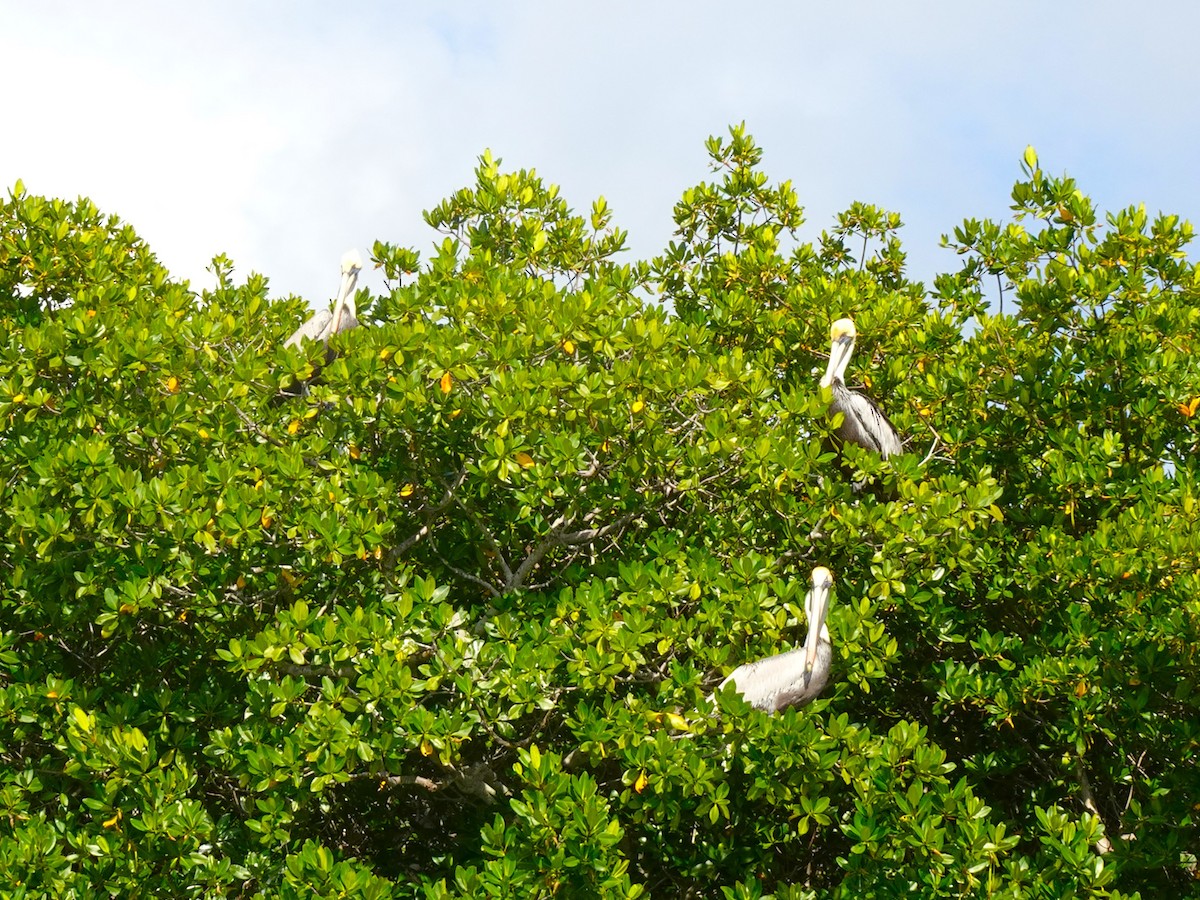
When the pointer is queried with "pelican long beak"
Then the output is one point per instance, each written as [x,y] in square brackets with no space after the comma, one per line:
[816,608]
[351,266]
[839,357]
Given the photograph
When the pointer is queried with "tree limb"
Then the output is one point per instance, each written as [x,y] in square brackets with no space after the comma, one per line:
[1103,845]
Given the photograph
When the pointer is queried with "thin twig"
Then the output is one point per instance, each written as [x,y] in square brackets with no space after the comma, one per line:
[253,426]
[492,543]
[468,576]
[937,439]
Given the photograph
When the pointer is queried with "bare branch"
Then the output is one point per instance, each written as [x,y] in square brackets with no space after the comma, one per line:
[492,543]
[589,535]
[254,426]
[937,440]
[468,576]
[305,671]
[399,780]
[516,579]
[1104,845]
[429,513]
[523,742]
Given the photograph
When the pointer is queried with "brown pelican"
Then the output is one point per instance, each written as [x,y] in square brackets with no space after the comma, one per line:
[796,677]
[326,323]
[863,422]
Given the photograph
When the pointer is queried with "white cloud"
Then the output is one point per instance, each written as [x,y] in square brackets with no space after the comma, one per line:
[284,134]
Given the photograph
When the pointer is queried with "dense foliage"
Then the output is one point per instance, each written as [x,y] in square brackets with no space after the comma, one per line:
[447,623]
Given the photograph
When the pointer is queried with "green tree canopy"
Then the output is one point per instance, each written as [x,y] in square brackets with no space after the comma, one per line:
[447,622]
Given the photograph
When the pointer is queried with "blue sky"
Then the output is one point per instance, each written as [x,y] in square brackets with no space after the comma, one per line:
[282,134]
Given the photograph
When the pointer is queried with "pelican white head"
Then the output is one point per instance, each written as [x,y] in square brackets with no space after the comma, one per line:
[343,306]
[841,335]
[351,262]
[816,608]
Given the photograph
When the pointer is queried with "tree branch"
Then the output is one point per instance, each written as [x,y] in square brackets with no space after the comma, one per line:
[429,514]
[1104,845]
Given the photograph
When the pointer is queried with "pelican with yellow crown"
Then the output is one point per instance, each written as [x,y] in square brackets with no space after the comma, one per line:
[796,677]
[863,422]
[325,323]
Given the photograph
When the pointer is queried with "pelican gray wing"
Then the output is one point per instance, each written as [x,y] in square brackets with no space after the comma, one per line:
[780,681]
[863,422]
[317,328]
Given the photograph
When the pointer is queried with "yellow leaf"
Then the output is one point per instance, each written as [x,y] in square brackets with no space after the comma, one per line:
[426,747]
[266,519]
[109,823]
[293,426]
[604,447]
[568,347]
[407,490]
[524,460]
[203,433]
[241,582]
[384,354]
[355,453]
[173,384]
[18,398]
[642,781]
[535,756]
[454,414]
[678,722]
[638,406]
[1081,689]
[446,383]
[1188,409]
[309,413]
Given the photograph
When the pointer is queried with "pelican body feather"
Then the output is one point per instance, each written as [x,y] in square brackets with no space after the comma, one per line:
[795,677]
[325,323]
[863,422]
[780,681]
